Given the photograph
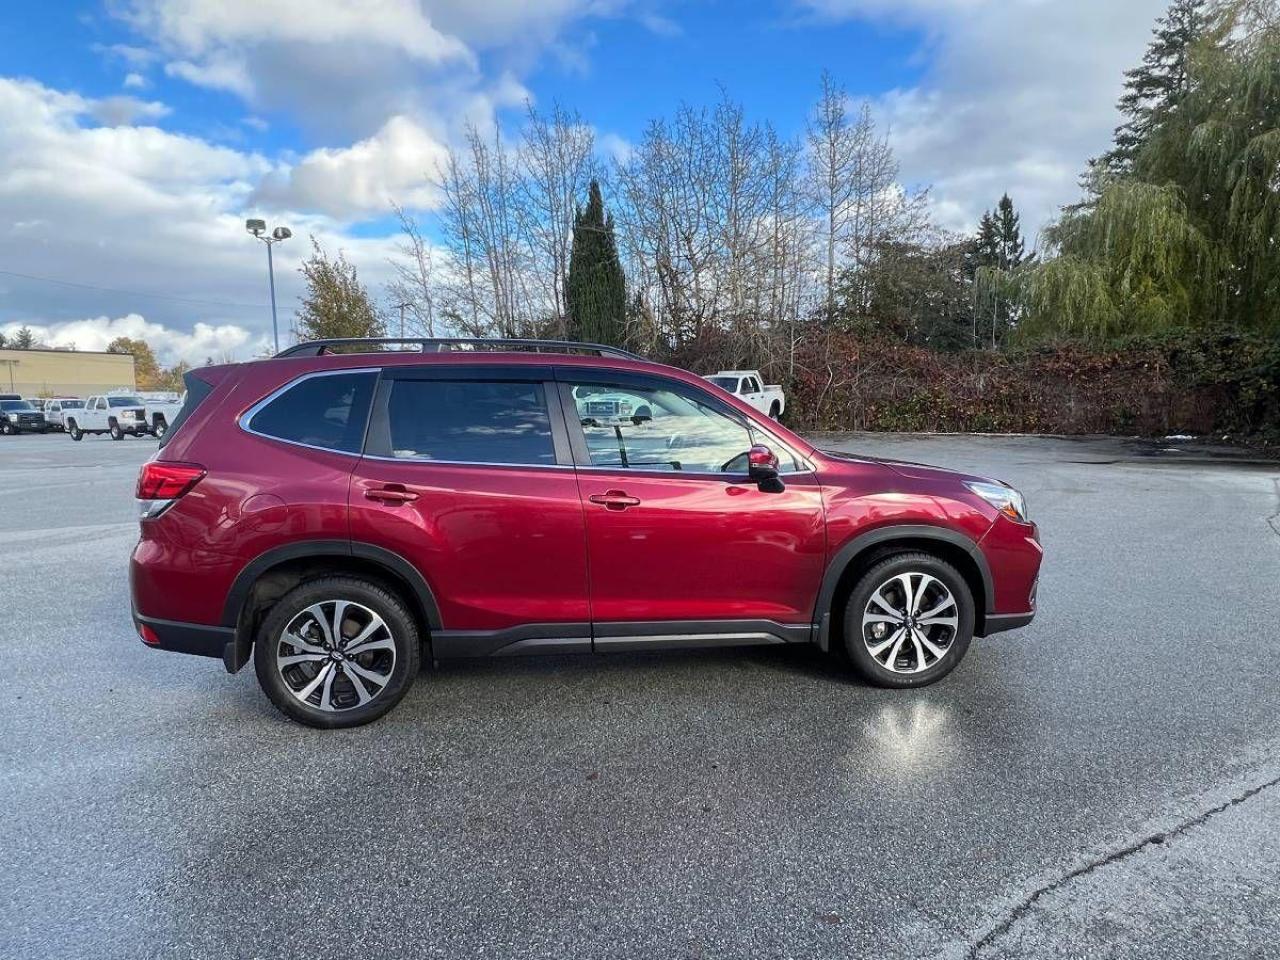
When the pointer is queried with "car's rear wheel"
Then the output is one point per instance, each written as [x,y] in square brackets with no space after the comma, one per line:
[160,428]
[337,652]
[775,411]
[908,621]
[75,432]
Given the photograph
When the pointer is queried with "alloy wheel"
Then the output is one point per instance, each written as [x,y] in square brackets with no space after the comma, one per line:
[336,655]
[910,622]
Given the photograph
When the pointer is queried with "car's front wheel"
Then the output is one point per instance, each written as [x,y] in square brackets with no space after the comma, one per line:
[74,430]
[337,652]
[908,621]
[115,431]
[6,428]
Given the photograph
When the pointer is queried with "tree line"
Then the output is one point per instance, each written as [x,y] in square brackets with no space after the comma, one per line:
[717,230]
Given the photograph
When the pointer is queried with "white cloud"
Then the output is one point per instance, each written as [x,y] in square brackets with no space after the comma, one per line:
[217,72]
[135,81]
[366,178]
[124,111]
[1018,94]
[138,220]
[342,69]
[200,27]
[204,340]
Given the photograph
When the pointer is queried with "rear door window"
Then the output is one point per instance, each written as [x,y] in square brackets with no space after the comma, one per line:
[470,421]
[329,411]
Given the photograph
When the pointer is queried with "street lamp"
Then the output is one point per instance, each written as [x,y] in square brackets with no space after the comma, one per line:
[259,229]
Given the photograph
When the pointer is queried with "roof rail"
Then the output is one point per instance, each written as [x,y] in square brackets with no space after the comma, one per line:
[316,348]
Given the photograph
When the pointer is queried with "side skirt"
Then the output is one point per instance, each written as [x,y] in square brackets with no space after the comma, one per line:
[608,637]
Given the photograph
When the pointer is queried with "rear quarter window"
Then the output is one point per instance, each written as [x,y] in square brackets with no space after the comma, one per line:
[327,410]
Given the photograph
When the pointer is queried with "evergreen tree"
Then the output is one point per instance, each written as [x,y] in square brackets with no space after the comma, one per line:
[987,242]
[24,339]
[595,288]
[1011,251]
[998,252]
[1156,87]
[336,303]
[1184,238]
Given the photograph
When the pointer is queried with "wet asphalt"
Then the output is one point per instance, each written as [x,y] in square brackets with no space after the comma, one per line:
[1105,782]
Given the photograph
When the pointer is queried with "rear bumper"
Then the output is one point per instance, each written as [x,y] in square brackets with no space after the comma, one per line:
[197,639]
[999,622]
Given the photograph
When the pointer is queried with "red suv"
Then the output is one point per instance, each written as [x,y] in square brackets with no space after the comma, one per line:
[340,516]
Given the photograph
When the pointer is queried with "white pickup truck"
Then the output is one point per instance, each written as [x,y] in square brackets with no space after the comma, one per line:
[749,386]
[162,410]
[116,414]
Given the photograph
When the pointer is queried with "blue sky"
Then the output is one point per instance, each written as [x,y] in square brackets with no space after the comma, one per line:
[139,133]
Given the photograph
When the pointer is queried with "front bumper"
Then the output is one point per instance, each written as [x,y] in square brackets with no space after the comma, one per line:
[1013,553]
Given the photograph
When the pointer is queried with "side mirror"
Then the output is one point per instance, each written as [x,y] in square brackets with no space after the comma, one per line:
[762,467]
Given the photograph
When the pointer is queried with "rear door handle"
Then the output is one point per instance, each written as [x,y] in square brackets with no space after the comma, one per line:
[614,500]
[392,493]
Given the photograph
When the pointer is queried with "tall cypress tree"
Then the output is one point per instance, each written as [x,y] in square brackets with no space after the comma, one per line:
[595,289]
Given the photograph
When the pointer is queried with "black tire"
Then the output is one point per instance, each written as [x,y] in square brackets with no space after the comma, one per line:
[6,428]
[400,626]
[74,431]
[115,431]
[775,411]
[873,670]
[159,428]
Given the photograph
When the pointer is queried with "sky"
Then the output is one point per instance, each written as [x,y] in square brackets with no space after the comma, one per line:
[137,135]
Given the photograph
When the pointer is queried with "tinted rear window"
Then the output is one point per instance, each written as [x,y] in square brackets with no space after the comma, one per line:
[328,411]
[470,422]
[197,390]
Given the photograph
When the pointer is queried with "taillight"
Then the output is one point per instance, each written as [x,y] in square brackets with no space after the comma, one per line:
[160,483]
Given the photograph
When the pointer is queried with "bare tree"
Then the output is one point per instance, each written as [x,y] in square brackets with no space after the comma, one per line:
[414,286]
[480,224]
[557,154]
[832,164]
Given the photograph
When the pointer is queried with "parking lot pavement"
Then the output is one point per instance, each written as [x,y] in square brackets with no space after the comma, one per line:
[1102,783]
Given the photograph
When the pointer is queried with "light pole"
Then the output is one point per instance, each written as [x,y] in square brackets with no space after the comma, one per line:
[259,229]
[401,307]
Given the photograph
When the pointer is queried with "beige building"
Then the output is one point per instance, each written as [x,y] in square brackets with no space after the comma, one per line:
[64,373]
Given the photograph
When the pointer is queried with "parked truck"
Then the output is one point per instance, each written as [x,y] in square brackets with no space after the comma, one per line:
[115,414]
[749,386]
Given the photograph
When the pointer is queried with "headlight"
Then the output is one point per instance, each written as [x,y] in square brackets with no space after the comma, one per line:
[13,418]
[1004,498]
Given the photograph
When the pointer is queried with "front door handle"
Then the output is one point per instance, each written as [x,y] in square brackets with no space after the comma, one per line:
[614,500]
[392,493]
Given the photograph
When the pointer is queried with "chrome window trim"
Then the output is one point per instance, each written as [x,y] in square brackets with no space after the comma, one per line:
[246,418]
[467,463]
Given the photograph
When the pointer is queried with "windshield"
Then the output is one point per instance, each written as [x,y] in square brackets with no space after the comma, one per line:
[725,383]
[124,402]
[14,405]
